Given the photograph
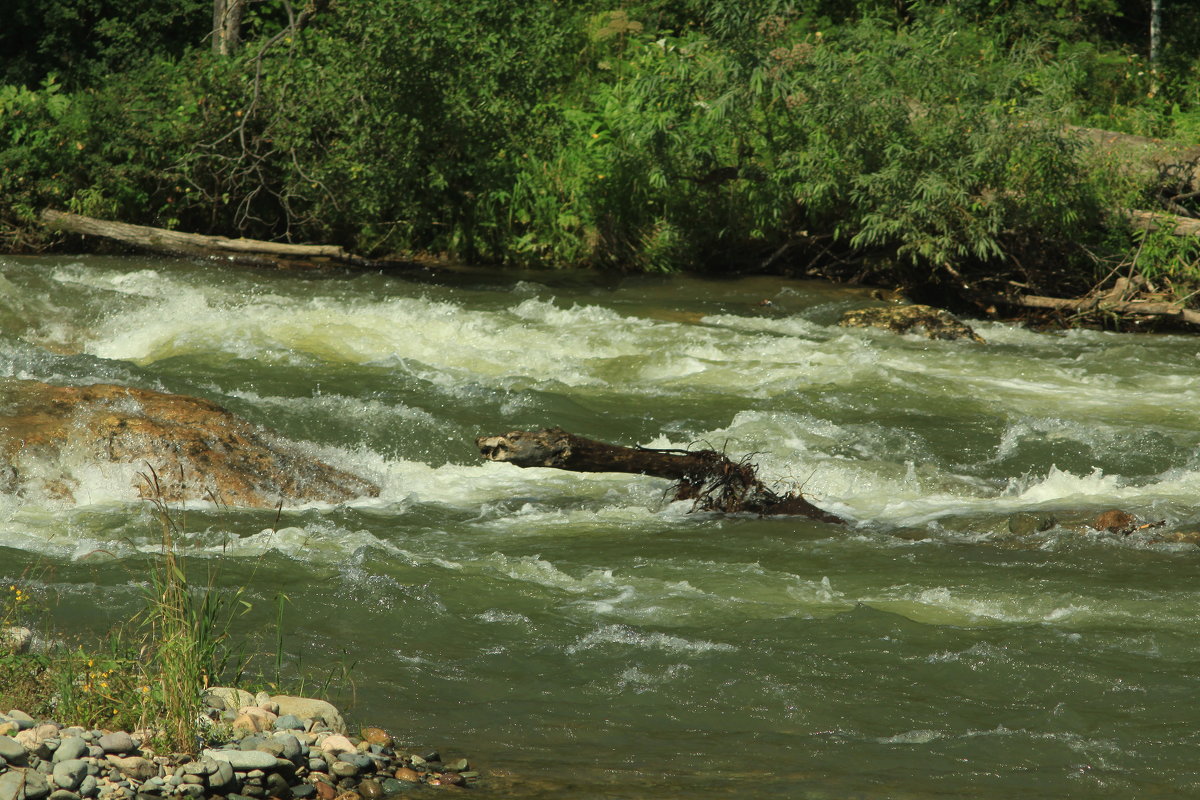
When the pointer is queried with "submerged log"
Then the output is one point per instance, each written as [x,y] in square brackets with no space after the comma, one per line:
[710,479]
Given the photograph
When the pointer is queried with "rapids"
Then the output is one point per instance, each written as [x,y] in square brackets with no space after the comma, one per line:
[579,635]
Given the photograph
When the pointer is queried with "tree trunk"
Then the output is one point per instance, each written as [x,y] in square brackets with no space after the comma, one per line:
[242,251]
[1155,31]
[227,26]
[709,478]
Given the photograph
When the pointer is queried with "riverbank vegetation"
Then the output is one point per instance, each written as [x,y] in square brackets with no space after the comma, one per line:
[913,144]
[149,674]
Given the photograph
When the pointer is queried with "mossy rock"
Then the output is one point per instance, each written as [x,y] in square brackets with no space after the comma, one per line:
[934,323]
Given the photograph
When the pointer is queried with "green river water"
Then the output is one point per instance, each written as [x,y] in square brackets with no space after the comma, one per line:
[579,635]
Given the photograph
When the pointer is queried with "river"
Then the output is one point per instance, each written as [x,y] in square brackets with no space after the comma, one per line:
[580,635]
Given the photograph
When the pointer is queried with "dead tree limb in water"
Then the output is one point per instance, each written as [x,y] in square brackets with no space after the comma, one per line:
[711,479]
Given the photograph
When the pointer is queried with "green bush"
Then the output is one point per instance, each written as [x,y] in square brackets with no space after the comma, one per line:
[658,135]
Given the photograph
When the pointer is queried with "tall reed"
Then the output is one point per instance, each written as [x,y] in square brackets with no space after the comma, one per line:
[188,626]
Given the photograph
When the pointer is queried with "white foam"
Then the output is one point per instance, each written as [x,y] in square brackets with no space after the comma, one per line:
[629,637]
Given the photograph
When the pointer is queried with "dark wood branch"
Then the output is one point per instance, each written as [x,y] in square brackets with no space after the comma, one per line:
[710,479]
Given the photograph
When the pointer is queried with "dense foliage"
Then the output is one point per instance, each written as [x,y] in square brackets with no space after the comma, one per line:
[916,142]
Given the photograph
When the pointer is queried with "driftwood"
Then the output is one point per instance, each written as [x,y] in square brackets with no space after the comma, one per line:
[1126,298]
[708,478]
[242,251]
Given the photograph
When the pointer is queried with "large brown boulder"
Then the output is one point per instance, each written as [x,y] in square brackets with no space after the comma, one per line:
[177,448]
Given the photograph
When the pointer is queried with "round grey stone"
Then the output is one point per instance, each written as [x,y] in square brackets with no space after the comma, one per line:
[117,742]
[23,784]
[270,746]
[277,785]
[359,760]
[244,760]
[289,722]
[290,747]
[63,794]
[69,774]
[12,750]
[223,777]
[340,769]
[17,715]
[70,748]
[250,742]
[90,787]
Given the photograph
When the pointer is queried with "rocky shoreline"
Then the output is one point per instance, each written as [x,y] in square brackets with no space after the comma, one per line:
[256,747]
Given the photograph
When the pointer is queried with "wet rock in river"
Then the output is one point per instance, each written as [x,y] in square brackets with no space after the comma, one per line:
[1115,521]
[1182,537]
[1026,523]
[307,708]
[408,775]
[934,323]
[198,449]
[376,736]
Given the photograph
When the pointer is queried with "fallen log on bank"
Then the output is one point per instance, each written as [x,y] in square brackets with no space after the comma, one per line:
[253,252]
[1126,298]
[710,479]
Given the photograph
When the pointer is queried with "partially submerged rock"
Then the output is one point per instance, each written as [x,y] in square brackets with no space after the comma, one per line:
[934,323]
[1115,521]
[1025,523]
[189,448]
